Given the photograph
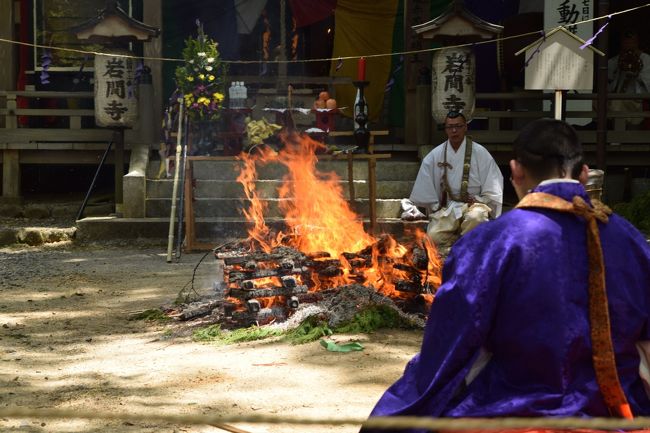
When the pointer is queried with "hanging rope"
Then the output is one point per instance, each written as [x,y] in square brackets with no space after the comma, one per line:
[404,422]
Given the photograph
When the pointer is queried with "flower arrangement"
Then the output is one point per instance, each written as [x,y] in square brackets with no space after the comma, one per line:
[201,78]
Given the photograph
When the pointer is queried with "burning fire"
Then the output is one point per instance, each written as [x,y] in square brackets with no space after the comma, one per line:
[322,225]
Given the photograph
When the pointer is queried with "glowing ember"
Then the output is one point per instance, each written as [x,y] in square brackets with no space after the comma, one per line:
[320,222]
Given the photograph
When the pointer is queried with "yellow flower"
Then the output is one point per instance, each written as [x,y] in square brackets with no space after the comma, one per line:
[203,100]
[190,78]
[218,96]
[201,77]
[210,77]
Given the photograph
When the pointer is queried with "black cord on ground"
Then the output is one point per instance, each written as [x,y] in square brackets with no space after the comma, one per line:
[191,282]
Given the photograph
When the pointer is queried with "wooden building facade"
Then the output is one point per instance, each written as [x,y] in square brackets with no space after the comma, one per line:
[53,124]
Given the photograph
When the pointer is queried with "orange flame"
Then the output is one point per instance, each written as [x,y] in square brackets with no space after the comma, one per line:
[314,207]
[255,213]
[321,220]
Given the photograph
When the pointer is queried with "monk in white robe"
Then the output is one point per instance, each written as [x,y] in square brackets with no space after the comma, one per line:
[457,197]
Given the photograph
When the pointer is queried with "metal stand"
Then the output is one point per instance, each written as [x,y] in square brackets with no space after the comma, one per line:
[92,184]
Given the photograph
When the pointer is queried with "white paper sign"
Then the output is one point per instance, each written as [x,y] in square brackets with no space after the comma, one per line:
[116,103]
[559,64]
[567,13]
[453,83]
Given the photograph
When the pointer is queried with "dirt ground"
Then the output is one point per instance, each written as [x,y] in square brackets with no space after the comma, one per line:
[66,342]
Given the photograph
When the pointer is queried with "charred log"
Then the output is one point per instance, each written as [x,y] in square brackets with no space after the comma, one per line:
[420,258]
[253,306]
[318,255]
[202,309]
[229,308]
[240,275]
[310,297]
[407,268]
[293,302]
[289,282]
[263,316]
[330,271]
[360,262]
[408,286]
[266,293]
[278,255]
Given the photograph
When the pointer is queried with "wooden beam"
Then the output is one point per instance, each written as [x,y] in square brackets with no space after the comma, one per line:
[8,56]
[152,15]
[10,176]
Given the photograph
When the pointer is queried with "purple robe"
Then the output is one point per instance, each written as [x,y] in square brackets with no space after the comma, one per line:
[517,288]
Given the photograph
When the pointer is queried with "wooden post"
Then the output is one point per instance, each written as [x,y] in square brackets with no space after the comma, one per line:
[282,66]
[372,193]
[423,114]
[351,176]
[11,159]
[602,42]
[190,229]
[118,159]
[558,104]
[11,120]
[152,15]
[11,176]
[8,56]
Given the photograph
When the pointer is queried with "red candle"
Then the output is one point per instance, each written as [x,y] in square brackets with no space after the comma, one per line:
[361,69]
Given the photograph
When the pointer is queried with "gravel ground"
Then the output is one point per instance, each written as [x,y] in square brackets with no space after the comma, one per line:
[66,342]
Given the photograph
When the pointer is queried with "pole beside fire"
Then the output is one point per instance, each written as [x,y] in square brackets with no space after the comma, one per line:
[172,215]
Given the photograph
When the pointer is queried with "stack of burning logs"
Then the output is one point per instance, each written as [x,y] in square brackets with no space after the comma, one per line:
[263,287]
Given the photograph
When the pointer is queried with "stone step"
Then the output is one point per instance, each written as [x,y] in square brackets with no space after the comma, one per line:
[229,170]
[208,230]
[232,207]
[35,235]
[159,189]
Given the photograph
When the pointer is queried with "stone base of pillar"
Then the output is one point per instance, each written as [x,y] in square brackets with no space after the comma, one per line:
[134,184]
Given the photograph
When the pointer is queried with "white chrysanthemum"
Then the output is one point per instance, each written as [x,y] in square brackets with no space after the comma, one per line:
[201,54]
[191,62]
[210,59]
[208,68]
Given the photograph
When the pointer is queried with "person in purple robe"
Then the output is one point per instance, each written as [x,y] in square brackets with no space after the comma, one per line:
[521,323]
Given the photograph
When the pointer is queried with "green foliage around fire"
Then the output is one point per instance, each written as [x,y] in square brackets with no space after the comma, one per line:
[365,321]
[637,212]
